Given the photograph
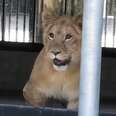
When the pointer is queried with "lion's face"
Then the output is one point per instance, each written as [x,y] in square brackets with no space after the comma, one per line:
[62,42]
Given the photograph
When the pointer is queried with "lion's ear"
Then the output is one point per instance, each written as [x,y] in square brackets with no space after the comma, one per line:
[78,21]
[48,19]
[48,14]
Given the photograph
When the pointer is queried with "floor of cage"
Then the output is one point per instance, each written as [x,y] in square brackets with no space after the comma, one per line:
[12,102]
[21,110]
[19,104]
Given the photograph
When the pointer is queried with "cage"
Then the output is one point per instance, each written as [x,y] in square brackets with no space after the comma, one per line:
[21,41]
[21,20]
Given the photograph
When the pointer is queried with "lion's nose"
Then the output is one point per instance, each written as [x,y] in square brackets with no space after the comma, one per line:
[56,52]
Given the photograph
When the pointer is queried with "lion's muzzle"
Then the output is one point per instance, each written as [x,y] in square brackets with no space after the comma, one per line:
[58,62]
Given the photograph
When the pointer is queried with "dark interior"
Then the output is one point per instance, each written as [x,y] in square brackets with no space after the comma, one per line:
[16,61]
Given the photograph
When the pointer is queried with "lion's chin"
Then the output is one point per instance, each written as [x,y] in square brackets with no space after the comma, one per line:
[60,68]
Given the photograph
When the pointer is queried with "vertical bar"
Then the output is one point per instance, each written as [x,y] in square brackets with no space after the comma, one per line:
[114,31]
[65,6]
[33,29]
[3,19]
[75,7]
[32,20]
[13,21]
[38,21]
[68,7]
[10,1]
[17,15]
[72,7]
[109,24]
[78,5]
[91,58]
[110,7]
[114,20]
[27,39]
[61,8]
[64,3]
[25,1]
[105,27]
[19,21]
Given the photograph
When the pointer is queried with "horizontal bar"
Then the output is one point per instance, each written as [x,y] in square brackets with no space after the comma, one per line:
[15,46]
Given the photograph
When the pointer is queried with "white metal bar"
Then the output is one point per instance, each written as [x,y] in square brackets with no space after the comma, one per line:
[91,58]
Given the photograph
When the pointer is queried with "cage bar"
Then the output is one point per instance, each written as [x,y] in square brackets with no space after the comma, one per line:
[32,18]
[91,58]
[9,18]
[63,8]
[108,36]
[38,21]
[105,21]
[69,7]
[17,18]
[2,19]
[24,26]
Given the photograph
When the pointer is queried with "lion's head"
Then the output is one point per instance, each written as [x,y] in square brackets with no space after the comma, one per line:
[62,41]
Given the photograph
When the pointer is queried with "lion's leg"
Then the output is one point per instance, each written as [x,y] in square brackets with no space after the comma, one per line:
[34,96]
[72,105]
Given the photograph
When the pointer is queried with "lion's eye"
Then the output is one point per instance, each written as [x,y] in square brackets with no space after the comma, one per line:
[68,36]
[51,36]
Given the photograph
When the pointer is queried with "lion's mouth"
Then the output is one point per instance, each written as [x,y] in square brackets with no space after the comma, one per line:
[58,62]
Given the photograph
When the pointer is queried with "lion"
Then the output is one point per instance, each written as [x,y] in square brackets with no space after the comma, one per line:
[56,71]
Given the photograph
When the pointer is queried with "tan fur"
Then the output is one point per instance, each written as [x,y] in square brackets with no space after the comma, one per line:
[46,81]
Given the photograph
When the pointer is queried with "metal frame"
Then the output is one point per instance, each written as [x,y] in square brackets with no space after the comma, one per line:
[91,58]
